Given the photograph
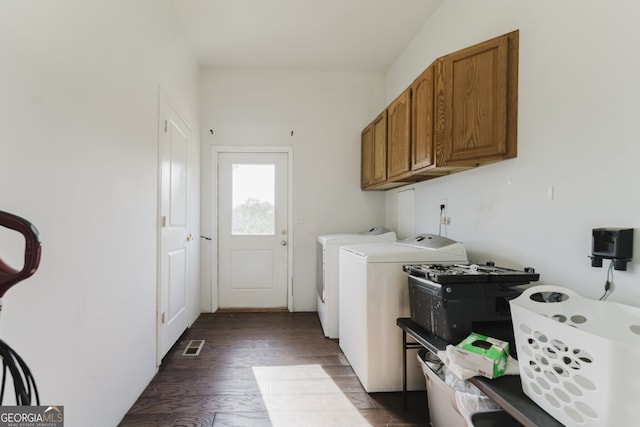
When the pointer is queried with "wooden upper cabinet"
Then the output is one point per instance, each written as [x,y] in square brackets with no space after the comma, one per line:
[422,120]
[461,112]
[478,101]
[398,135]
[374,152]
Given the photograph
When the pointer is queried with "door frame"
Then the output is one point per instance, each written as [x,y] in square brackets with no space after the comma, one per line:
[215,151]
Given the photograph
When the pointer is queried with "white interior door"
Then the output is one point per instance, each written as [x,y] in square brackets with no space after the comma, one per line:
[253,233]
[175,239]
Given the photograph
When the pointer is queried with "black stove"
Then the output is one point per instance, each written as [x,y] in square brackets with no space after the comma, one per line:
[449,274]
[452,301]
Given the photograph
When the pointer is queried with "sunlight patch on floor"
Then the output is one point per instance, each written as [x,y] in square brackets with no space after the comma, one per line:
[305,393]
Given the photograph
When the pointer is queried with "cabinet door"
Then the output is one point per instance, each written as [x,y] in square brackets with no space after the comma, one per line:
[379,164]
[476,102]
[422,120]
[373,167]
[398,135]
[366,159]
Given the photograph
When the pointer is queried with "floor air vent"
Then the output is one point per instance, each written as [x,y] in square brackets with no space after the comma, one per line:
[193,348]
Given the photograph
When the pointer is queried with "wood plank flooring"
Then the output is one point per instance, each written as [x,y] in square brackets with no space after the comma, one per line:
[265,370]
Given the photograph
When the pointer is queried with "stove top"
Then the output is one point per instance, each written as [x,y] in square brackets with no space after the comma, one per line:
[458,273]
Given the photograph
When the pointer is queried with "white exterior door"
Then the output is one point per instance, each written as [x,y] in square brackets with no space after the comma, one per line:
[175,240]
[253,235]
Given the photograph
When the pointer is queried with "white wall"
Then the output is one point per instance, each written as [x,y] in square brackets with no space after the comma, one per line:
[579,103]
[326,111]
[78,157]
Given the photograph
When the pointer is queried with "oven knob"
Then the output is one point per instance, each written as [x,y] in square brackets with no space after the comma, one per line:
[448,290]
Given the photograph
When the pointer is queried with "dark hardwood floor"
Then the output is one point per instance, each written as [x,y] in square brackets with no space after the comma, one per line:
[265,369]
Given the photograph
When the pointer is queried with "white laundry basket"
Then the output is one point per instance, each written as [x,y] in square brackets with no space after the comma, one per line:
[579,358]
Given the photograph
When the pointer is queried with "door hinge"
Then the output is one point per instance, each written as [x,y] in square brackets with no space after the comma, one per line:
[166,126]
[164,221]
[162,318]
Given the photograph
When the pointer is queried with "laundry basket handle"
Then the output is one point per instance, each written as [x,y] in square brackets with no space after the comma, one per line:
[33,247]
[549,291]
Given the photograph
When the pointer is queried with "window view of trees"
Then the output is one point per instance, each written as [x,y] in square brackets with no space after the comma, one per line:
[253,217]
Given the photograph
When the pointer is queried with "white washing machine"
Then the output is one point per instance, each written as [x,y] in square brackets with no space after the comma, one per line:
[327,271]
[374,292]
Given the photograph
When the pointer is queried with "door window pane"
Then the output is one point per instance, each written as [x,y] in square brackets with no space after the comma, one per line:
[253,191]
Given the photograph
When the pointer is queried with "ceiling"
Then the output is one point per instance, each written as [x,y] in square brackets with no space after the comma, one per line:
[331,35]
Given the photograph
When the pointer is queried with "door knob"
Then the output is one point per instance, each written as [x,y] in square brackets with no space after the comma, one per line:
[283,243]
[189,237]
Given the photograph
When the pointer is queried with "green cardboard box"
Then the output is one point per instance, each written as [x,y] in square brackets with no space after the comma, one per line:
[484,355]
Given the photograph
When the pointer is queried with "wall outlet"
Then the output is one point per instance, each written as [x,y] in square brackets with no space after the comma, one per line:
[444,206]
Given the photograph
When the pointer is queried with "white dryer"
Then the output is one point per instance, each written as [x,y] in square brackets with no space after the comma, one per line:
[328,249]
[373,294]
